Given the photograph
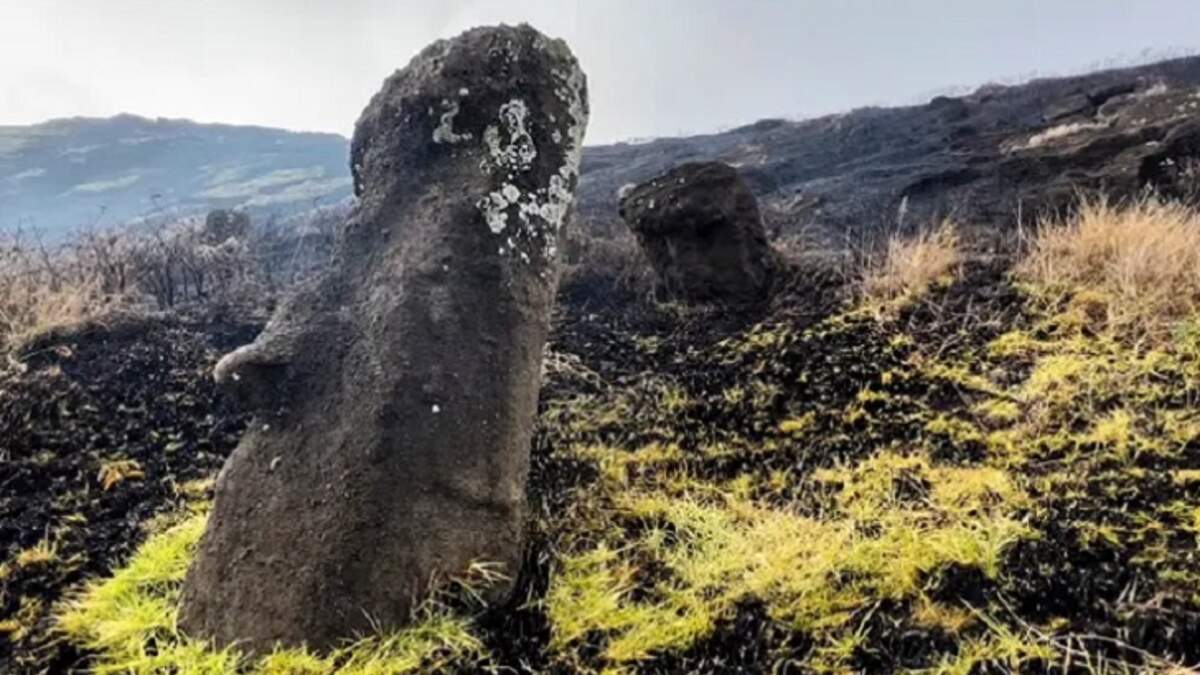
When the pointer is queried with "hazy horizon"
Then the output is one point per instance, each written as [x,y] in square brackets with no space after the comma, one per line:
[661,69]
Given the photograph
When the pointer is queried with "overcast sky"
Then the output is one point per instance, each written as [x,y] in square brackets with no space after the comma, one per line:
[656,67]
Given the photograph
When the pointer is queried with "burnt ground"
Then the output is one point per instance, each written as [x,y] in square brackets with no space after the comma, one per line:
[629,343]
[977,157]
[136,392]
[1124,600]
[140,391]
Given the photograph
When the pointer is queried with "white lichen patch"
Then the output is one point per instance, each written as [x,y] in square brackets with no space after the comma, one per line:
[444,132]
[494,207]
[570,92]
[508,145]
[533,216]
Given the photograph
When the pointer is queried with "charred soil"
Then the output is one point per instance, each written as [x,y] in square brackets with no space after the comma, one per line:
[101,429]
[970,486]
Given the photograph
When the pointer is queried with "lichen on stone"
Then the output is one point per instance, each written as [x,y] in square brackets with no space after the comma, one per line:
[444,132]
[517,152]
[509,150]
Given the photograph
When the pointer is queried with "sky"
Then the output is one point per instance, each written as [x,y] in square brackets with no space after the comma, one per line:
[655,67]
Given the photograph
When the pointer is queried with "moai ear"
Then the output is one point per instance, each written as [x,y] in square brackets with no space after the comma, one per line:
[256,374]
[262,376]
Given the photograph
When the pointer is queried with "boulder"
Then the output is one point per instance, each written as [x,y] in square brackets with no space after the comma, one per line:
[395,395]
[701,230]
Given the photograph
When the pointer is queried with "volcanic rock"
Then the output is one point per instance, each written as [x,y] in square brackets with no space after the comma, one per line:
[701,230]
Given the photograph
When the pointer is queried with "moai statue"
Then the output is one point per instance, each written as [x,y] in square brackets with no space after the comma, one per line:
[395,395]
[701,229]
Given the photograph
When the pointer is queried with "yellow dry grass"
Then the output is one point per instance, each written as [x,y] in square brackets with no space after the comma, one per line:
[32,305]
[910,267]
[128,621]
[1134,269]
[718,546]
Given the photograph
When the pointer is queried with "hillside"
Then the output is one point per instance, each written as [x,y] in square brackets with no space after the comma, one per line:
[982,157]
[990,468]
[66,173]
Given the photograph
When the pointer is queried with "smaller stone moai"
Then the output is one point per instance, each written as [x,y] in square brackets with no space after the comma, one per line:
[701,230]
[395,395]
[221,225]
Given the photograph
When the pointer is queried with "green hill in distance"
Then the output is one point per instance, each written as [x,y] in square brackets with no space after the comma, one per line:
[63,174]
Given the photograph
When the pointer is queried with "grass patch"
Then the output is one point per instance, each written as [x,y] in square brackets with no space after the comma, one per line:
[909,267]
[31,306]
[1001,647]
[1133,269]
[115,472]
[712,547]
[128,620]
[42,553]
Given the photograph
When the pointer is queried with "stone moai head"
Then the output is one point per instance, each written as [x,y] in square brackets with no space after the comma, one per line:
[701,229]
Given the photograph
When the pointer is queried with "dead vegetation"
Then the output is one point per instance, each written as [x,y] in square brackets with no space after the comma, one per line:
[1134,269]
[222,260]
[41,291]
[908,267]
[609,268]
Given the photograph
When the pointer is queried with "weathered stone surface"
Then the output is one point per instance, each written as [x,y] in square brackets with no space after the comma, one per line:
[700,227]
[395,396]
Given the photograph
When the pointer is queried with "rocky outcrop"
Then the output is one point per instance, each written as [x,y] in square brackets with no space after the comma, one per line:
[395,396]
[701,230]
[983,158]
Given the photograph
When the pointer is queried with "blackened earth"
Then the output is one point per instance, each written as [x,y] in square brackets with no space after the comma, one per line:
[142,391]
[135,391]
